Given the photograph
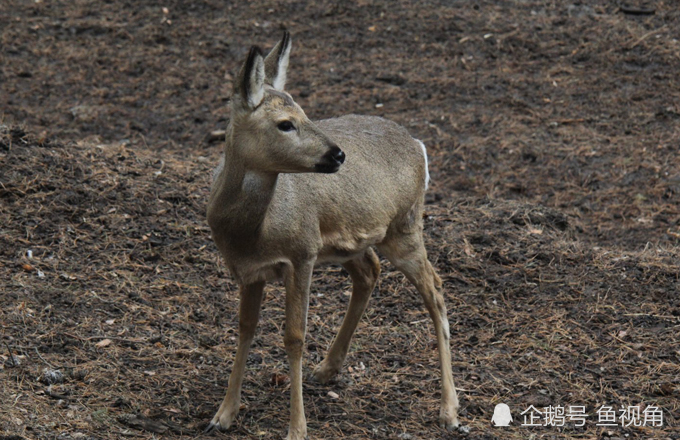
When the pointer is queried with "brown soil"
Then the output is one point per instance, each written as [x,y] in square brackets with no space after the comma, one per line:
[553,130]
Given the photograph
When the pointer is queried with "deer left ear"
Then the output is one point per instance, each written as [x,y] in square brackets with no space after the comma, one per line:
[276,63]
[249,87]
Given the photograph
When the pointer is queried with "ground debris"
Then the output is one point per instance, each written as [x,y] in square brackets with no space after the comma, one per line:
[141,422]
[553,215]
[50,376]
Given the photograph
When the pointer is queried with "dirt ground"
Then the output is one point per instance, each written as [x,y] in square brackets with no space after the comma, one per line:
[553,216]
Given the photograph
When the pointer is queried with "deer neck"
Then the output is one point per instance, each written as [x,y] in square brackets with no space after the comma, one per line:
[240,200]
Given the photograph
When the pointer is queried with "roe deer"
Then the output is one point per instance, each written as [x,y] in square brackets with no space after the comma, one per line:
[284,199]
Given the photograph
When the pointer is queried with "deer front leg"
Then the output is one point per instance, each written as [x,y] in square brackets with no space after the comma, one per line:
[249,313]
[364,272]
[297,284]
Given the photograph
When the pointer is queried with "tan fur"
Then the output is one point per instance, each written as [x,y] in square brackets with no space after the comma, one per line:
[273,217]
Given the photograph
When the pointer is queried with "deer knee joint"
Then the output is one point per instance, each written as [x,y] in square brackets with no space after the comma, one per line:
[293,344]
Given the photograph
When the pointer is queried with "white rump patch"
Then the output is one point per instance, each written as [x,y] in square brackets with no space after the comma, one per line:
[427,172]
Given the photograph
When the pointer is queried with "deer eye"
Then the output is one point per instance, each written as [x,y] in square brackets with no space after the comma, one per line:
[285,126]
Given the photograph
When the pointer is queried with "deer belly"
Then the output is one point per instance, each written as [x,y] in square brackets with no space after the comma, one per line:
[338,248]
[252,272]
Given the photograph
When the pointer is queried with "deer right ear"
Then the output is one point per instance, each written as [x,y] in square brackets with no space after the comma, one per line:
[249,86]
[276,63]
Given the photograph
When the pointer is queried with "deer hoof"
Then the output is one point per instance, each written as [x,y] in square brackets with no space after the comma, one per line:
[297,435]
[221,421]
[212,426]
[323,373]
[448,422]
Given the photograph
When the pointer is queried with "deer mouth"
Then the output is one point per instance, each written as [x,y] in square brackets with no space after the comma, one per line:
[327,168]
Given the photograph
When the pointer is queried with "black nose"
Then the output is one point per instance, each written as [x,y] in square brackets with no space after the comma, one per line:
[331,161]
[337,155]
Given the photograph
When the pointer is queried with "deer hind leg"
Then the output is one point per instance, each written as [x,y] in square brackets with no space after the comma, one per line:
[249,311]
[364,272]
[408,254]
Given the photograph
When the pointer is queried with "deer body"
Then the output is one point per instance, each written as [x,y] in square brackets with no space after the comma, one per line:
[261,223]
[285,199]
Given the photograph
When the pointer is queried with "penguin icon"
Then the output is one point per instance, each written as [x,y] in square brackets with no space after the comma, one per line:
[501,415]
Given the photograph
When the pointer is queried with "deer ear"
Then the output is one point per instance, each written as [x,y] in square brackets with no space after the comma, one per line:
[276,63]
[250,83]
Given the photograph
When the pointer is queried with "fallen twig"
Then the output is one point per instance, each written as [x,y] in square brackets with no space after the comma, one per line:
[637,11]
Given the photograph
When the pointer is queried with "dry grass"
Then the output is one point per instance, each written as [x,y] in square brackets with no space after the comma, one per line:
[124,295]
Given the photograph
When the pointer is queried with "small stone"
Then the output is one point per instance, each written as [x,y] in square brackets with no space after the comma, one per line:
[50,377]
